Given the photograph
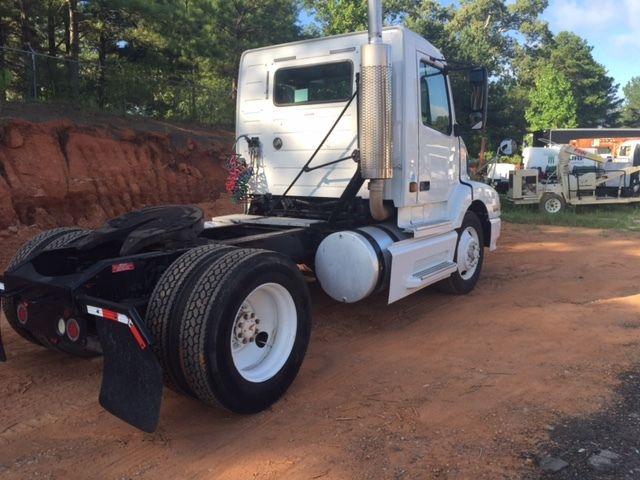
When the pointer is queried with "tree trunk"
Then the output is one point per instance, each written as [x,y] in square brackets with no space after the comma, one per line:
[52,50]
[4,34]
[67,35]
[26,41]
[102,65]
[51,30]
[74,47]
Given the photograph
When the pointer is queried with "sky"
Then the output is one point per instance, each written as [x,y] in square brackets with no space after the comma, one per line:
[612,27]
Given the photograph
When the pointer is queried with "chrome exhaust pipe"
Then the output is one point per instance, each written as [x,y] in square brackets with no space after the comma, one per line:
[376,121]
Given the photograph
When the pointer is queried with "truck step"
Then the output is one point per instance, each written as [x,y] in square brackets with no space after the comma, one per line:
[422,276]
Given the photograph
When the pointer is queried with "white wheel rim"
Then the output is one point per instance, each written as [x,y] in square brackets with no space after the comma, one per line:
[468,253]
[552,205]
[263,333]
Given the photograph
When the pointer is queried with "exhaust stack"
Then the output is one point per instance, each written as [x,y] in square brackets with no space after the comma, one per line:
[375,113]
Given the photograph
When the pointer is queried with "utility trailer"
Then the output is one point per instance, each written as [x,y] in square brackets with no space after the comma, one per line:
[358,171]
[570,183]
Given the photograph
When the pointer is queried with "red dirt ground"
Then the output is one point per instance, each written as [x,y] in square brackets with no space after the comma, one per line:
[432,386]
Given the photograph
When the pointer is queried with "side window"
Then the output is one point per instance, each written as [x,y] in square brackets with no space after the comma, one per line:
[434,100]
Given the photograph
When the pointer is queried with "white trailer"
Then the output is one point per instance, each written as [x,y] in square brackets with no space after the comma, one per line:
[356,168]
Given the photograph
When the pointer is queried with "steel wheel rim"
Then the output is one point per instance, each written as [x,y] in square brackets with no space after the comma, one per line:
[263,332]
[552,205]
[468,253]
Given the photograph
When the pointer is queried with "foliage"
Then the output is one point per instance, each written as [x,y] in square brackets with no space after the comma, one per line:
[631,111]
[551,102]
[179,58]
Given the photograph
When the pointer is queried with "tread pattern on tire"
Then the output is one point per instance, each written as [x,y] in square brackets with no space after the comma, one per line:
[66,239]
[36,244]
[161,312]
[193,332]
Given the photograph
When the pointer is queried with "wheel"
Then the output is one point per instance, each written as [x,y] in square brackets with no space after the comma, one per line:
[551,203]
[165,301]
[34,246]
[469,257]
[244,330]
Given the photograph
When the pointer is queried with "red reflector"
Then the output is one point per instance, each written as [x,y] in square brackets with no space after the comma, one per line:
[22,312]
[138,336]
[73,330]
[122,267]
[109,315]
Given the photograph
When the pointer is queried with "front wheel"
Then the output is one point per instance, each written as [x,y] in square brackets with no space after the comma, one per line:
[245,330]
[469,257]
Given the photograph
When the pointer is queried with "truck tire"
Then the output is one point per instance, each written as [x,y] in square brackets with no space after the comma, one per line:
[552,203]
[164,304]
[245,329]
[469,256]
[37,244]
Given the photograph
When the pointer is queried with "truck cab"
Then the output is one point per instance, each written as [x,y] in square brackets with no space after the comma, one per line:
[292,96]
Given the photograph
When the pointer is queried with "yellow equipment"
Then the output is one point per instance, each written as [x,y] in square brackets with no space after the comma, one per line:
[574,183]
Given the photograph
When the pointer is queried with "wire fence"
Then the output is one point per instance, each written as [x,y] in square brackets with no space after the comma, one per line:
[122,86]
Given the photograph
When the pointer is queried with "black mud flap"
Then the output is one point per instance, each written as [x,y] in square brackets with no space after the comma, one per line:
[3,355]
[132,378]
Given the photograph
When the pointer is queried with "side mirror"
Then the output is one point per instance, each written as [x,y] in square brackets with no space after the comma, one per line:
[479,80]
[507,147]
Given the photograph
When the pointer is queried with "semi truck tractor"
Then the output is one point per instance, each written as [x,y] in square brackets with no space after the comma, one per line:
[353,166]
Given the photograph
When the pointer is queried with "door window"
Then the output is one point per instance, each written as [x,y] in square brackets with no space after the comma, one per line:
[434,99]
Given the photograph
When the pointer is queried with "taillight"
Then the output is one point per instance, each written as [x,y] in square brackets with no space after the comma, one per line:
[73,329]
[22,312]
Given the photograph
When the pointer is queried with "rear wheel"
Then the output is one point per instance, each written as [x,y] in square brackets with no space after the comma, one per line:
[43,241]
[244,330]
[469,257]
[167,300]
[551,203]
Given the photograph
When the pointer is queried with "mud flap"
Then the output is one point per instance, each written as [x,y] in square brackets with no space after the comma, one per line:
[132,378]
[3,355]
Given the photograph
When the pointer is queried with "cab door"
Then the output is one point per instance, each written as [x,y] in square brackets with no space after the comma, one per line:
[437,146]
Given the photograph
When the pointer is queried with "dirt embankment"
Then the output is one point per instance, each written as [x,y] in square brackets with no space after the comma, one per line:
[63,173]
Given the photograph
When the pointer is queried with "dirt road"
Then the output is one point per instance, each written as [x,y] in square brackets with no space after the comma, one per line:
[430,387]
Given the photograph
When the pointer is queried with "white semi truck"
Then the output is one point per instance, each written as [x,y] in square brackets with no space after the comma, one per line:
[356,168]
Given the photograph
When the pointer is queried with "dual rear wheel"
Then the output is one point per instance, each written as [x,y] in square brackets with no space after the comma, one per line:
[231,325]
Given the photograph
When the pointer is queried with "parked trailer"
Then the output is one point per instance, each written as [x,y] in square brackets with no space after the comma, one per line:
[360,177]
[575,182]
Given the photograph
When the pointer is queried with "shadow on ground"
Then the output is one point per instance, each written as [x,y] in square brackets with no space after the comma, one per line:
[604,445]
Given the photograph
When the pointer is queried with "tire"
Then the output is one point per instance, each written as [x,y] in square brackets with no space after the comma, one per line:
[37,244]
[551,203]
[240,293]
[164,303]
[464,279]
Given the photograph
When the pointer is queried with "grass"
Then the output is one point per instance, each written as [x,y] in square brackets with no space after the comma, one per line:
[617,217]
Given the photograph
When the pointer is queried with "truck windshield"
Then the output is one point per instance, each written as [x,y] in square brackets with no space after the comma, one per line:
[329,82]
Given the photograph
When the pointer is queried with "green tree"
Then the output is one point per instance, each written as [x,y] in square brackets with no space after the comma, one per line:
[631,110]
[551,102]
[594,91]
